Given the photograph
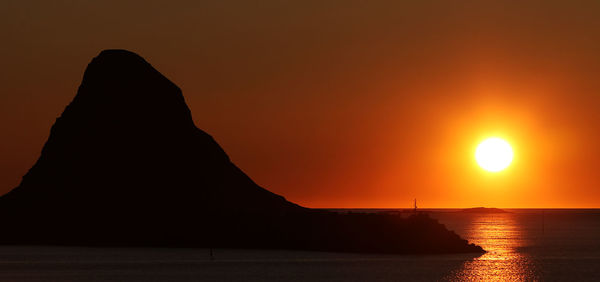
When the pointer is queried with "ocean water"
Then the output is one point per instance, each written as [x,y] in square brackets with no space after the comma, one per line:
[522,245]
[526,245]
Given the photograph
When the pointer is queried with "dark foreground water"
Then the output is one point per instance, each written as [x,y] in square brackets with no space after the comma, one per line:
[523,245]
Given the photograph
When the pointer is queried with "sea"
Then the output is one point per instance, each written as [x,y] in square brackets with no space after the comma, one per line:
[521,245]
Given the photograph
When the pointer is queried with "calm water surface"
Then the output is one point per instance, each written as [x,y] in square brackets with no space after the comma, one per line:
[523,245]
[526,245]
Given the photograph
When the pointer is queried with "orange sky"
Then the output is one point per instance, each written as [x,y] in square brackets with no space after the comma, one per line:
[343,103]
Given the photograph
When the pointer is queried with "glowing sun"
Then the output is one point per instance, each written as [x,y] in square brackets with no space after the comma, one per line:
[494,154]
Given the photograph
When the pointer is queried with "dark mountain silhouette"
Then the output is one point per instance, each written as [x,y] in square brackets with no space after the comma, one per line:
[125,165]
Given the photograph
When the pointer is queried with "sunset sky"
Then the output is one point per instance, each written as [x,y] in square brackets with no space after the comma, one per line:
[360,104]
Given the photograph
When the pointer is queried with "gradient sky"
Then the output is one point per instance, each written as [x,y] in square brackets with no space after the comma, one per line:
[340,103]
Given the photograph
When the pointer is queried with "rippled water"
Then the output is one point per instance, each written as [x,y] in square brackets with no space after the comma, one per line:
[501,236]
[524,245]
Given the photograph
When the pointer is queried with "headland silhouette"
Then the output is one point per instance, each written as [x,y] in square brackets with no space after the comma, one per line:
[125,165]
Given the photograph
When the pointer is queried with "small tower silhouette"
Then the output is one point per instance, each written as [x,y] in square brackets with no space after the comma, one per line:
[415,205]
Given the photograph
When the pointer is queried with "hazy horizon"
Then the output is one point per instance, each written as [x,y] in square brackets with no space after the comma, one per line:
[461,208]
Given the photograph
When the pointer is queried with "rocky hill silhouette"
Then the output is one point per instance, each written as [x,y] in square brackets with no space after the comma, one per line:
[483,210]
[126,166]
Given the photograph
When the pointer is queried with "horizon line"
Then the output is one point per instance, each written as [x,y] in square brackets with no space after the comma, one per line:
[449,208]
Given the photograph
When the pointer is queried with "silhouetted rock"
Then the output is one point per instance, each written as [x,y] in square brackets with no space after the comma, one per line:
[483,210]
[125,165]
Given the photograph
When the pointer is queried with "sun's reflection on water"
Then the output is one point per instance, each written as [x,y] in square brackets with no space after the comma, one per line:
[500,236]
